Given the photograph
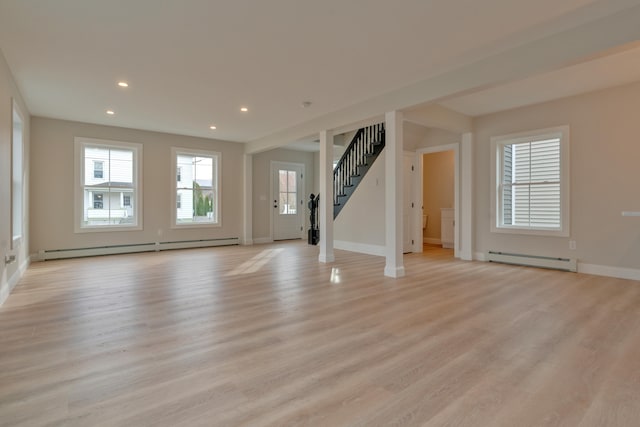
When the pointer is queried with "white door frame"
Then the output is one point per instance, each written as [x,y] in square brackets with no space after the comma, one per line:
[275,164]
[456,196]
[412,216]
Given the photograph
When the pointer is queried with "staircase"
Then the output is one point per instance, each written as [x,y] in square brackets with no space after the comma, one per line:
[364,149]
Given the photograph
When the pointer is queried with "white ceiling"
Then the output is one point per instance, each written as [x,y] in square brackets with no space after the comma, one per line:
[194,63]
[600,73]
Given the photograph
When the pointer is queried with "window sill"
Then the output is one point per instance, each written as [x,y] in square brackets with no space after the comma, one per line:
[100,229]
[196,225]
[530,231]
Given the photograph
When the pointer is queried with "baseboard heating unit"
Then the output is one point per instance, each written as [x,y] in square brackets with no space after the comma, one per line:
[566,264]
[44,255]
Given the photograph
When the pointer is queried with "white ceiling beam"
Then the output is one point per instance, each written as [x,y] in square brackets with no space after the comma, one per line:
[549,53]
[439,117]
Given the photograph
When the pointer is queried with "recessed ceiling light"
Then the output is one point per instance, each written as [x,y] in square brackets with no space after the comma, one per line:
[123,84]
[110,112]
[244,109]
[212,127]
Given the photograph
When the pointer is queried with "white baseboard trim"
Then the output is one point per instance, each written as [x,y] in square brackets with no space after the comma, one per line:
[394,272]
[609,271]
[595,269]
[362,248]
[13,281]
[133,248]
[431,241]
[247,242]
[262,240]
[326,258]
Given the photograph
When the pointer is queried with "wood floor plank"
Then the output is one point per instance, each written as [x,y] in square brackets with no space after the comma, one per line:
[265,335]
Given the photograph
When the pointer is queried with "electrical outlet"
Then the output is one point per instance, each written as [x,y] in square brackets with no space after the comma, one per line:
[572,245]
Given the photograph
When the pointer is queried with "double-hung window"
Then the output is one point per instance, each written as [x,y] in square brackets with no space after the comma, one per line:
[17,173]
[196,193]
[530,182]
[108,185]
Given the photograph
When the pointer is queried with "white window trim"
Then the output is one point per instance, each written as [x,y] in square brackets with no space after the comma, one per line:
[496,168]
[175,151]
[79,173]
[16,238]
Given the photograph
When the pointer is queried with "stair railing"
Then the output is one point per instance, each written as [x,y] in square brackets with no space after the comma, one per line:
[362,145]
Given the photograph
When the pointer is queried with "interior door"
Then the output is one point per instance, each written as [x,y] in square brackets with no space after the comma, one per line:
[408,203]
[287,200]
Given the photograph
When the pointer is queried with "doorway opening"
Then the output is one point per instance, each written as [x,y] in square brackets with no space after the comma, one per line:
[438,196]
[438,190]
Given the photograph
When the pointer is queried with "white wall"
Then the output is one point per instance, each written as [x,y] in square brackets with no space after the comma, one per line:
[262,205]
[605,176]
[362,219]
[11,273]
[52,181]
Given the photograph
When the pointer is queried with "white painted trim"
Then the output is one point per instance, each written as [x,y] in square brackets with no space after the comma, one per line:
[325,206]
[585,268]
[262,240]
[456,187]
[143,247]
[432,241]
[496,166]
[16,240]
[466,197]
[609,271]
[394,272]
[216,156]
[363,248]
[326,258]
[14,280]
[275,165]
[415,220]
[78,184]
[247,226]
[393,193]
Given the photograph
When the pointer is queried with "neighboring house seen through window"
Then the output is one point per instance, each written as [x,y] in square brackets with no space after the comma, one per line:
[196,196]
[98,169]
[531,178]
[108,175]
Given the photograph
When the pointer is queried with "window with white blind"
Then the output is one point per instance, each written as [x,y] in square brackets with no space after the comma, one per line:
[530,191]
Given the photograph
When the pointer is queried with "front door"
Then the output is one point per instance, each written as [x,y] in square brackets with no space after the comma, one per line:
[287,200]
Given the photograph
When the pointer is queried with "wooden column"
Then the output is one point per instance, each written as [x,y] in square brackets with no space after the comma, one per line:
[393,195]
[325,207]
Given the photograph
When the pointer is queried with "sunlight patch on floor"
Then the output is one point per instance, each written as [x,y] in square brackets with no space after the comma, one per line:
[255,263]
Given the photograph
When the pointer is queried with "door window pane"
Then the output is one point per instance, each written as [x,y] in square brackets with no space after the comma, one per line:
[288,195]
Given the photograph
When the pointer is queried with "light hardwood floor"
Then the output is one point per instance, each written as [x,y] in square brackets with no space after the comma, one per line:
[266,335]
